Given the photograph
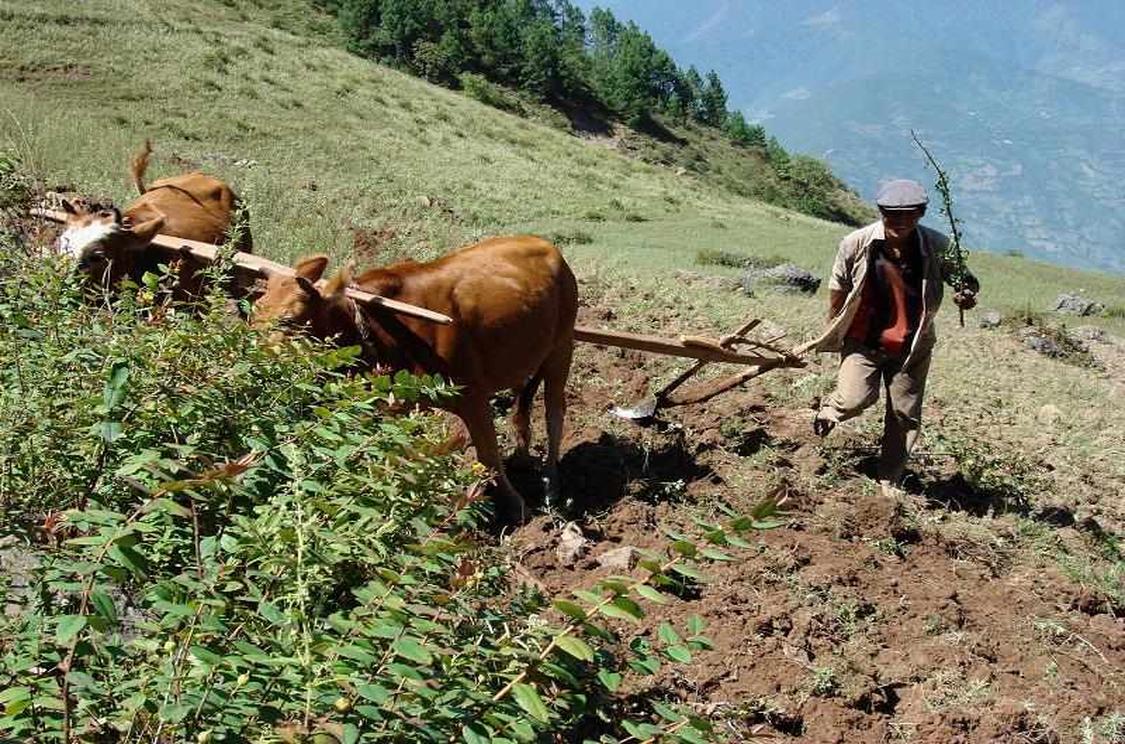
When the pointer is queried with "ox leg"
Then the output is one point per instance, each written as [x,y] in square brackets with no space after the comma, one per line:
[555,371]
[521,418]
[477,415]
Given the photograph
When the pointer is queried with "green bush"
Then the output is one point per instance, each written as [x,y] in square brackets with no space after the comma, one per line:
[513,101]
[229,539]
[735,260]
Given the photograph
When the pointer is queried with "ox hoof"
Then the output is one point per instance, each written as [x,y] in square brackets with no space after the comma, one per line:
[552,492]
[512,511]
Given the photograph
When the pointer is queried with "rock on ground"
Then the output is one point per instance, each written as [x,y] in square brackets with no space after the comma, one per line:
[784,278]
[619,559]
[1070,303]
[1088,334]
[1036,341]
[990,319]
[572,545]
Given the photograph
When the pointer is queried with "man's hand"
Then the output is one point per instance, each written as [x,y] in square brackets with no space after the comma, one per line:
[966,299]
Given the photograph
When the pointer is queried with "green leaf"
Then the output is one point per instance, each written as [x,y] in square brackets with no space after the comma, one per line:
[695,625]
[357,654]
[475,733]
[103,605]
[570,609]
[741,524]
[716,555]
[611,680]
[667,713]
[128,558]
[768,524]
[110,431]
[370,711]
[645,665]
[629,606]
[523,730]
[561,673]
[689,571]
[270,612]
[651,594]
[375,693]
[14,708]
[668,634]
[251,651]
[528,699]
[173,713]
[640,730]
[168,506]
[15,693]
[684,548]
[589,597]
[765,508]
[351,734]
[68,627]
[412,649]
[678,653]
[576,647]
[206,655]
[615,611]
[407,672]
[114,392]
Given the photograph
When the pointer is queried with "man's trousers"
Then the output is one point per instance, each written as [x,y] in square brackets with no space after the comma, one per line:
[862,371]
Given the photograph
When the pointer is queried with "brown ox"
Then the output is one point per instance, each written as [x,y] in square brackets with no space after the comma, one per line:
[513,301]
[193,206]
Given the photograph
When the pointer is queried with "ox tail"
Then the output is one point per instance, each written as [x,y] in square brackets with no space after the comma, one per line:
[139,165]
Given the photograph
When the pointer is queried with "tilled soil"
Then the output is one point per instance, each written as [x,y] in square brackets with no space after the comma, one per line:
[866,618]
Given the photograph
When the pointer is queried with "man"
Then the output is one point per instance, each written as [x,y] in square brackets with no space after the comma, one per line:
[885,290]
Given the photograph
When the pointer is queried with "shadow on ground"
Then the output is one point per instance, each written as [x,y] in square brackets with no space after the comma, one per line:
[597,474]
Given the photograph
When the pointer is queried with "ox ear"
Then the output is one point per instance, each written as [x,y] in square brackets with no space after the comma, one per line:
[311,268]
[146,231]
[307,287]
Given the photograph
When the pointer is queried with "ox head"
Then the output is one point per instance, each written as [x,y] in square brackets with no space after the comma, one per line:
[94,236]
[296,301]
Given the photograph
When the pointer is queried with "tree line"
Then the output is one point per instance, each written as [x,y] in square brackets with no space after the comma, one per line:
[547,48]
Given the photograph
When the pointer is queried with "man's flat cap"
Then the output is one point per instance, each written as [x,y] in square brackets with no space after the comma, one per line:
[901,194]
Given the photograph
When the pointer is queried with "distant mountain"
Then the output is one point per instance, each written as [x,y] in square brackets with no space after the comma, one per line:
[1021,101]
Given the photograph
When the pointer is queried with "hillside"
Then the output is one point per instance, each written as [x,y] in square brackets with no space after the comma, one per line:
[1014,98]
[989,606]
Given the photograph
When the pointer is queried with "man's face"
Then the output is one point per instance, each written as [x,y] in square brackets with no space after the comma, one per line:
[899,223]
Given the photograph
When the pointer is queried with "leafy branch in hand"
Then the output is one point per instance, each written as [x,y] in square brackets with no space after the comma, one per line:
[955,254]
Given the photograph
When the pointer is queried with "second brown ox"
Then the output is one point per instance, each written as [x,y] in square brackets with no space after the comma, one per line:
[513,301]
[109,244]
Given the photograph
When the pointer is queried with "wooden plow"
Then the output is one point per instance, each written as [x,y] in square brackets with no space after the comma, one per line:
[763,356]
[760,356]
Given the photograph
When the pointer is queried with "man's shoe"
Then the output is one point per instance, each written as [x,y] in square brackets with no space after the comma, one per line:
[891,490]
[822,426]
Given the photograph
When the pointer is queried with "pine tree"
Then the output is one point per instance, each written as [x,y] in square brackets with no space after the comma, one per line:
[713,101]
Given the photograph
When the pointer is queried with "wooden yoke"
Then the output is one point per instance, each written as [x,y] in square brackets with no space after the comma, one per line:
[265,267]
